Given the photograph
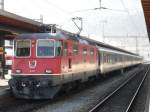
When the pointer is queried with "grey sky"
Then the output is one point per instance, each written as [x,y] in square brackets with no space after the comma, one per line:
[59,12]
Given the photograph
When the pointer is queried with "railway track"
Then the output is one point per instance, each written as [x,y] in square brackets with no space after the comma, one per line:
[11,104]
[122,98]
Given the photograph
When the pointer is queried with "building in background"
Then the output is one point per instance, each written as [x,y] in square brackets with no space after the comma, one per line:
[8,55]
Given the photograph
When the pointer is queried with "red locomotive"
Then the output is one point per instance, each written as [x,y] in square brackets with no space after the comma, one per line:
[45,62]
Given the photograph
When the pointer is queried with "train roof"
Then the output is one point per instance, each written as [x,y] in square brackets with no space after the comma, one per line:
[100,44]
[62,34]
[116,51]
[40,36]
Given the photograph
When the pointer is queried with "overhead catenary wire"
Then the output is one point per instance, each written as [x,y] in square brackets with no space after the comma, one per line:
[98,8]
[131,19]
[57,7]
[61,10]
[133,23]
[57,10]
[2,4]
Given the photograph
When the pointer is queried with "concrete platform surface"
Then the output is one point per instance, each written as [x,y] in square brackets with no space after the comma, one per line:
[4,82]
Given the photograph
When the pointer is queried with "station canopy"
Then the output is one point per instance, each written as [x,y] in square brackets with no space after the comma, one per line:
[146,8]
[13,24]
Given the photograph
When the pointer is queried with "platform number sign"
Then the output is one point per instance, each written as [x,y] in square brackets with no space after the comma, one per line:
[1,50]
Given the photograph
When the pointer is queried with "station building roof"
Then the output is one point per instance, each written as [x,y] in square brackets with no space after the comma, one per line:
[146,8]
[10,22]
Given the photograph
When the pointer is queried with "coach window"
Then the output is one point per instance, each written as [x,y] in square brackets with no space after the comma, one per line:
[84,51]
[113,58]
[75,49]
[65,47]
[108,58]
[23,47]
[105,58]
[92,52]
[84,54]
[45,48]
[92,55]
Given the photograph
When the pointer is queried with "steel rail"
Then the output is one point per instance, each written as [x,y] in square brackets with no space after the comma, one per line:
[5,91]
[127,110]
[108,96]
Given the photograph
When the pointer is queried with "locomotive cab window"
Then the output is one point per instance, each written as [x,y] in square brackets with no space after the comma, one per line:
[58,46]
[23,48]
[45,48]
[84,52]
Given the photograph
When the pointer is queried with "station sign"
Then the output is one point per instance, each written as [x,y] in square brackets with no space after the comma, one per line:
[1,50]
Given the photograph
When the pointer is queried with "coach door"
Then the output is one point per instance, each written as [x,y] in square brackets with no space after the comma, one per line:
[84,55]
[69,64]
[67,56]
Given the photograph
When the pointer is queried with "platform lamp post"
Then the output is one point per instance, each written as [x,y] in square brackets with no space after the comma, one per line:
[2,4]
[2,60]
[136,44]
[40,19]
[103,29]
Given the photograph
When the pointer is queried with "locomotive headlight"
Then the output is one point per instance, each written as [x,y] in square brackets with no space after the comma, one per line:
[48,71]
[18,71]
[38,84]
[23,84]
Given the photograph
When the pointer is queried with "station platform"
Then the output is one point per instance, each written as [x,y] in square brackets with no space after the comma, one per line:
[4,82]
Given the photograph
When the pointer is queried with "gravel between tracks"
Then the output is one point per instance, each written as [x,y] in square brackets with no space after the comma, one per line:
[80,101]
[84,100]
[120,101]
[141,103]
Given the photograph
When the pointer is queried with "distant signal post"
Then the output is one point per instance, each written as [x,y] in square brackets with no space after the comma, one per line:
[2,4]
